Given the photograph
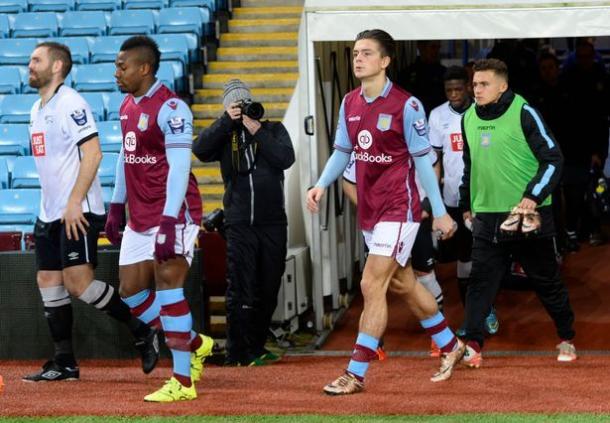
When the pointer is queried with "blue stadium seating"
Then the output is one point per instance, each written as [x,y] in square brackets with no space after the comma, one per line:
[106,5]
[107,196]
[14,139]
[105,49]
[124,22]
[113,104]
[166,75]
[4,175]
[111,137]
[83,23]
[146,4]
[10,163]
[98,77]
[16,52]
[51,5]
[25,174]
[10,80]
[19,206]
[16,108]
[5,28]
[36,24]
[13,6]
[107,169]
[97,104]
[209,4]
[183,19]
[79,47]
[173,47]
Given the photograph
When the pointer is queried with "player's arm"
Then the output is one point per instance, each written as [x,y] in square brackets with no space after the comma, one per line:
[416,135]
[177,126]
[176,122]
[464,189]
[436,140]
[335,165]
[79,123]
[547,152]
[349,180]
[116,213]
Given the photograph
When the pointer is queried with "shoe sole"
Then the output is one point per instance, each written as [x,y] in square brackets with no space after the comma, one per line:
[68,379]
[337,394]
[566,359]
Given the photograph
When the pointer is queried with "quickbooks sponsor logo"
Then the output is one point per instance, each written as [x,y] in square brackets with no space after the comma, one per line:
[133,159]
[366,157]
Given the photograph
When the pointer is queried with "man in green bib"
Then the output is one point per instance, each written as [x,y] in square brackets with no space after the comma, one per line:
[511,165]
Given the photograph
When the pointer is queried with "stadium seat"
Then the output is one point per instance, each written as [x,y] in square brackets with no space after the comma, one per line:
[10,163]
[98,77]
[105,5]
[4,175]
[16,52]
[124,22]
[209,4]
[36,24]
[146,4]
[13,6]
[79,47]
[182,19]
[111,137]
[10,80]
[105,49]
[25,173]
[173,47]
[14,140]
[19,206]
[83,23]
[5,28]
[16,108]
[107,169]
[97,104]
[51,5]
[107,196]
[113,104]
[166,75]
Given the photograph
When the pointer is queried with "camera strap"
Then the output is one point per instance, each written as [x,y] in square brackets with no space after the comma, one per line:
[235,152]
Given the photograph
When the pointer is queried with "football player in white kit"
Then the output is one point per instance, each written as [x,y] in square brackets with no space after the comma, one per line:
[67,153]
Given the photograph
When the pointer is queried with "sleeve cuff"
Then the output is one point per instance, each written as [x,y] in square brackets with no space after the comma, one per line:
[87,138]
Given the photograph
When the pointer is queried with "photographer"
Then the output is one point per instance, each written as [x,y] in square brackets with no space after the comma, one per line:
[253,156]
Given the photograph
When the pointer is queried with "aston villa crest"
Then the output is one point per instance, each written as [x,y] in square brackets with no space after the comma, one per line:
[143,122]
[384,122]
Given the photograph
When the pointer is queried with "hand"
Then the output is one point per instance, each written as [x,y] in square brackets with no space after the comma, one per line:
[444,225]
[251,125]
[166,239]
[527,204]
[234,111]
[467,216]
[424,215]
[114,222]
[314,196]
[74,220]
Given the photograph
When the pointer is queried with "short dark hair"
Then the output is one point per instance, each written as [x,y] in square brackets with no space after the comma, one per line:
[456,73]
[385,40]
[497,66]
[59,52]
[148,46]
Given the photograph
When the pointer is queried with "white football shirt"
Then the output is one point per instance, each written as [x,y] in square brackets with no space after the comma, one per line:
[57,130]
[446,135]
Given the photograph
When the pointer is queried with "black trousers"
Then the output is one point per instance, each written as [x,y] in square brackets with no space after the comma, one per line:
[256,258]
[575,183]
[490,262]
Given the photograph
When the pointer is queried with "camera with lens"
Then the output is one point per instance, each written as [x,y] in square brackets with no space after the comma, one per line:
[214,222]
[252,109]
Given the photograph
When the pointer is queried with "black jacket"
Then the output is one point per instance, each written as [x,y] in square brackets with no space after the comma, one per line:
[253,174]
[489,223]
